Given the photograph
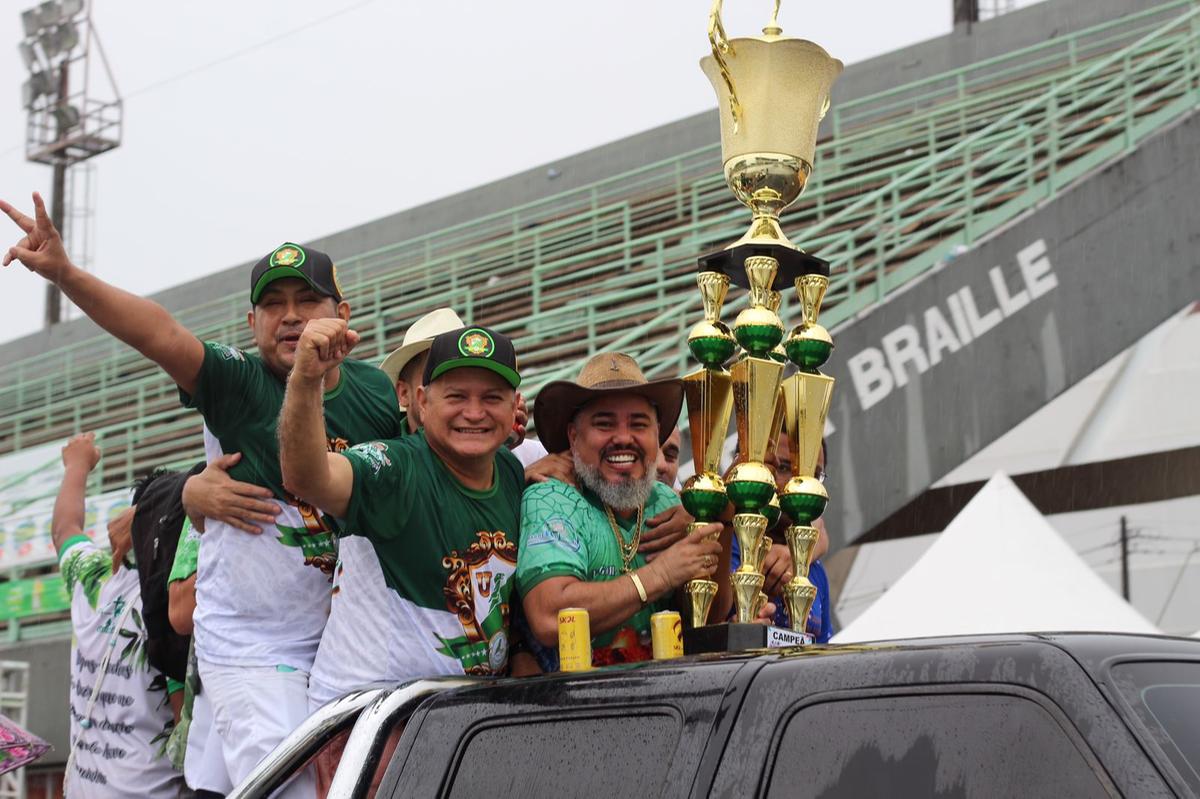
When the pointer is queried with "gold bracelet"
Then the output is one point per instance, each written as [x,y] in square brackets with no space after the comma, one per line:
[637,583]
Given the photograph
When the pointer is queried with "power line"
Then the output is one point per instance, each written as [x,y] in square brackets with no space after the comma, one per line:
[248,49]
[151,87]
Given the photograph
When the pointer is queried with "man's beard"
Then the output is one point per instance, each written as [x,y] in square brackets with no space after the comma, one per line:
[629,494]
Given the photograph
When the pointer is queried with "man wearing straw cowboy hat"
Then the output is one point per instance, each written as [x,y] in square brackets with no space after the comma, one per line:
[579,545]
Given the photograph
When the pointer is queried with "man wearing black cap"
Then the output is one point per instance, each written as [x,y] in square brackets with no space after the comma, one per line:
[262,600]
[440,505]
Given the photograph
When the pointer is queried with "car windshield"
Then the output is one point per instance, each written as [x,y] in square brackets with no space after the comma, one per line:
[1166,696]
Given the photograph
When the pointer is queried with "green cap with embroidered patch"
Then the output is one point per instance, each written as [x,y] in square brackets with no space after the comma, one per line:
[291,260]
[479,347]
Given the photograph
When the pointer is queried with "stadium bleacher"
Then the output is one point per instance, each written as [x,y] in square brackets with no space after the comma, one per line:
[902,178]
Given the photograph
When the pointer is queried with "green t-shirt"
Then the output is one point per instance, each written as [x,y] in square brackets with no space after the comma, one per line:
[565,532]
[187,553]
[262,600]
[240,399]
[447,551]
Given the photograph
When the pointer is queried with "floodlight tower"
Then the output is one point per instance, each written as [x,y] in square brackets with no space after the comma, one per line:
[74,108]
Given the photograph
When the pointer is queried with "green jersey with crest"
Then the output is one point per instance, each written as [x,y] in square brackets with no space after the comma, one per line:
[565,532]
[262,600]
[448,552]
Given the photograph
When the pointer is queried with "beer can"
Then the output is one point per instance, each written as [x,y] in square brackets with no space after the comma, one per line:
[666,635]
[574,640]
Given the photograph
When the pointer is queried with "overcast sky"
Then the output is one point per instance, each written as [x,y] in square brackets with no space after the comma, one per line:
[251,123]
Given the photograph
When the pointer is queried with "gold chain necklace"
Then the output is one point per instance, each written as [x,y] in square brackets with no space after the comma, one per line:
[628,548]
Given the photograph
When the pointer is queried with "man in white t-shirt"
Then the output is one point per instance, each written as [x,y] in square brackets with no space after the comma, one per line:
[262,600]
[118,703]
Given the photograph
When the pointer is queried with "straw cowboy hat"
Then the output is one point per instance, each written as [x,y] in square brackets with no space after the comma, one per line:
[418,339]
[604,374]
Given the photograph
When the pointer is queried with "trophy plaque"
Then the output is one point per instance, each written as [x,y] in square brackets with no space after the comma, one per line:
[772,92]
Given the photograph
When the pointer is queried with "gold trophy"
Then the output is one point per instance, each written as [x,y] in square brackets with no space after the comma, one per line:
[772,92]
[806,397]
[709,396]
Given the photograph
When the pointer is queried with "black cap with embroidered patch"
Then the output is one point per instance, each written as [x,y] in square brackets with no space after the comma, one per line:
[472,346]
[291,260]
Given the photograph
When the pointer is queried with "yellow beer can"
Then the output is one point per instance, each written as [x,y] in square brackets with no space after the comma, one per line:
[574,640]
[666,635]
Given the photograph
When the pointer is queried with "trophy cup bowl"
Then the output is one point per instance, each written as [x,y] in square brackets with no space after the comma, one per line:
[772,92]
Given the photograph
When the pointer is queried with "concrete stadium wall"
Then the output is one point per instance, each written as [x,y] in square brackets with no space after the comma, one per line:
[963,354]
[965,45]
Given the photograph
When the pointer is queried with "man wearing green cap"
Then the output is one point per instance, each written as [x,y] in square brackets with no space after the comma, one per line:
[261,600]
[440,505]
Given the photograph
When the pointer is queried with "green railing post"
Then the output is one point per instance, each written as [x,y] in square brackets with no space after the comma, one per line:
[626,237]
[679,191]
[377,309]
[1052,142]
[595,211]
[1127,70]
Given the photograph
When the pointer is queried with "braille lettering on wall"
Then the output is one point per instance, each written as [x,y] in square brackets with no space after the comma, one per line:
[949,327]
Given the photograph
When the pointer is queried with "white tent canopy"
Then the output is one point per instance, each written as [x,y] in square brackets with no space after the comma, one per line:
[999,567]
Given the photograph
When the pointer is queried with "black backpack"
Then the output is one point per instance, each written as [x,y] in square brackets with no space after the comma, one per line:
[156,527]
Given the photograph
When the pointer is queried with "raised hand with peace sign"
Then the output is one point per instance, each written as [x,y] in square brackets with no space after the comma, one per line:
[41,249]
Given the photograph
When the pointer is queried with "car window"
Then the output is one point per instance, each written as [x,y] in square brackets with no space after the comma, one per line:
[610,756]
[1166,696]
[957,745]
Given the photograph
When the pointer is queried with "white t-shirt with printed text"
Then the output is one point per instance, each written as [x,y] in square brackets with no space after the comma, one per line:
[117,750]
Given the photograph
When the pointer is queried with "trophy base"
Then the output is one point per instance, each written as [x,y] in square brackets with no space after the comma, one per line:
[735,637]
[792,264]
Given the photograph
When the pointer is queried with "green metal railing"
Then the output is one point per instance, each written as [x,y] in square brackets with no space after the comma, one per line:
[611,265]
[857,124]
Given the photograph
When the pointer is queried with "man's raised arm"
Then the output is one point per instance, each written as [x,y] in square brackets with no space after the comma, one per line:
[310,471]
[141,323]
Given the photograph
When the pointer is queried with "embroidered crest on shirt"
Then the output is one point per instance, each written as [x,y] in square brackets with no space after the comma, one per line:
[476,593]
